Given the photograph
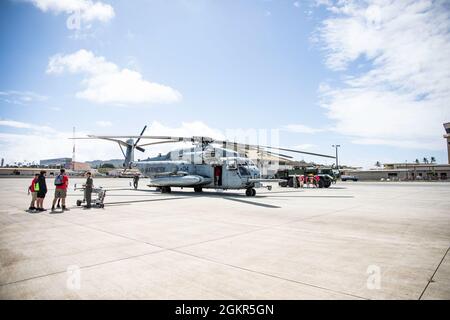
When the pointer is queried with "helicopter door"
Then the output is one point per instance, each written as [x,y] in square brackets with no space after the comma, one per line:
[218,175]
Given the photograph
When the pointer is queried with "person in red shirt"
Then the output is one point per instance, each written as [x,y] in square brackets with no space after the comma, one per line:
[316,181]
[301,180]
[61,183]
[33,191]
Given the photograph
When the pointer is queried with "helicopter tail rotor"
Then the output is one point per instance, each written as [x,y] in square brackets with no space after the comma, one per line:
[131,145]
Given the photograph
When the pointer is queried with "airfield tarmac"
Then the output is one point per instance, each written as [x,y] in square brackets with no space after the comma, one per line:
[353,241]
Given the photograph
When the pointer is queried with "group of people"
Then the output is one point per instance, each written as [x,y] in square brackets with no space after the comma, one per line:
[306,180]
[38,190]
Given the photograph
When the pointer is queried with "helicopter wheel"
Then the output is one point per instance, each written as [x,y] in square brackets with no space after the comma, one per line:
[250,192]
[198,189]
[166,190]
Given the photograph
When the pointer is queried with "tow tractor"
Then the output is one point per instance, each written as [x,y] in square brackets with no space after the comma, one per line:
[327,175]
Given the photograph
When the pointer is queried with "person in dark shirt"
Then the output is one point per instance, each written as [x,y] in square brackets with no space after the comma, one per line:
[42,191]
[88,190]
[136,181]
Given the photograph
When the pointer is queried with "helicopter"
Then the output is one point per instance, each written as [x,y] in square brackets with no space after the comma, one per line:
[208,164]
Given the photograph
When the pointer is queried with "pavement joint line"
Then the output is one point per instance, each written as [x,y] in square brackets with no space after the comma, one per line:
[176,249]
[247,232]
[252,203]
[271,275]
[194,256]
[434,273]
[201,242]
[146,200]
[82,267]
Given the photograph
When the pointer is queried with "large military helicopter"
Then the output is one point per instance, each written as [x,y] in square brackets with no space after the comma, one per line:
[209,163]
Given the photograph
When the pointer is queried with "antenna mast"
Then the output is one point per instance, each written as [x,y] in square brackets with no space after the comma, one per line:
[73,151]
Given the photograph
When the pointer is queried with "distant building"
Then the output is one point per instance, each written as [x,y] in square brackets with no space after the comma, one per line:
[56,163]
[404,171]
[80,166]
[65,163]
[26,171]
[117,163]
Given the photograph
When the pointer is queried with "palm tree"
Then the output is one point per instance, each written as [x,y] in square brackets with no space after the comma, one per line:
[425,160]
[433,160]
[417,161]
[378,164]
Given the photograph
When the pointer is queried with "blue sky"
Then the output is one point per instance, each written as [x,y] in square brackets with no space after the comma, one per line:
[318,71]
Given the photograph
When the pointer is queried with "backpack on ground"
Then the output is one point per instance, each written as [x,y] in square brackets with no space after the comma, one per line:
[59,180]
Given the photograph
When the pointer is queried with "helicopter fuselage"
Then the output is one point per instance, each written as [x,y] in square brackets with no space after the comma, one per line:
[201,169]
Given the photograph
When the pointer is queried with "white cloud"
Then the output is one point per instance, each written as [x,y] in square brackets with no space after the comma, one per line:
[24,125]
[103,123]
[296,4]
[300,128]
[21,97]
[105,82]
[35,146]
[36,143]
[88,10]
[401,95]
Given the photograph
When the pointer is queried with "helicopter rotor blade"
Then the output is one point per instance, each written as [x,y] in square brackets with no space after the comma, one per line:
[120,142]
[302,152]
[137,141]
[279,155]
[275,148]
[265,152]
[207,140]
[143,137]
[159,142]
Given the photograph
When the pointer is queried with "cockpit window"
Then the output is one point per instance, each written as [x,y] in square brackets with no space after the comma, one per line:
[243,171]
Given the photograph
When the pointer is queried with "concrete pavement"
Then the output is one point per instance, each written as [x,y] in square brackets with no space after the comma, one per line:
[352,241]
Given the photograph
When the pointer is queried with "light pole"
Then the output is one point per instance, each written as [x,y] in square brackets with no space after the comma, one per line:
[407,170]
[336,147]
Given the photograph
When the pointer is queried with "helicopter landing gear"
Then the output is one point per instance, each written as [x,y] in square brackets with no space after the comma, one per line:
[250,192]
[198,189]
[166,190]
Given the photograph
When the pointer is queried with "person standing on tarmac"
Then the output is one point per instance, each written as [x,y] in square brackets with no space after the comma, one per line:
[88,190]
[316,181]
[136,181]
[42,191]
[33,191]
[302,180]
[61,183]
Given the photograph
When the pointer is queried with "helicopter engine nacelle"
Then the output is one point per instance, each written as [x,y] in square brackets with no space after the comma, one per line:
[195,157]
[180,181]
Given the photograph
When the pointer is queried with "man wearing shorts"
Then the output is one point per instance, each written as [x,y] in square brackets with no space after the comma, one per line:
[33,191]
[42,186]
[61,183]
